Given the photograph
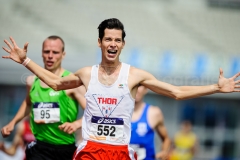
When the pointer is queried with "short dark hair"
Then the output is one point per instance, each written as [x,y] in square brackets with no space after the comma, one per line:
[54,37]
[112,23]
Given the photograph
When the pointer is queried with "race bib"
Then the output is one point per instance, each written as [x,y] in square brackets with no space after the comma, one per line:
[140,151]
[108,129]
[46,112]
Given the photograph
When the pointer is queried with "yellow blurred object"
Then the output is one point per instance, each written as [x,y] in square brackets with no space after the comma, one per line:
[184,141]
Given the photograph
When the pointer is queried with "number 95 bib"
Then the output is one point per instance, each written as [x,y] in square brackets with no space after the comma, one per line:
[46,112]
[107,129]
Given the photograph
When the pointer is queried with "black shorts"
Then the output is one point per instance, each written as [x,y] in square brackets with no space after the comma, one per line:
[38,150]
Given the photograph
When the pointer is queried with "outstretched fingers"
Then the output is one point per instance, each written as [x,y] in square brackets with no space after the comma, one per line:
[236,82]
[236,75]
[26,46]
[13,42]
[237,88]
[8,44]
[6,57]
[7,50]
[221,72]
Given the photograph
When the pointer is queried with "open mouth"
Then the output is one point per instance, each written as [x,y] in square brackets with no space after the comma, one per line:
[49,63]
[112,51]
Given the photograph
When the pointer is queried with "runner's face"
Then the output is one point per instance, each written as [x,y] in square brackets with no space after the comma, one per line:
[111,45]
[52,54]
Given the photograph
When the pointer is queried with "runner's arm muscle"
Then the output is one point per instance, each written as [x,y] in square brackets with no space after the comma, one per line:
[162,133]
[185,92]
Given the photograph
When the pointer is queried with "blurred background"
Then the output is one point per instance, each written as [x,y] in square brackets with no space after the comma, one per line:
[182,42]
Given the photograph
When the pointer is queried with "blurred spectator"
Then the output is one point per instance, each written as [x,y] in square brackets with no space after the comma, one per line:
[22,137]
[185,143]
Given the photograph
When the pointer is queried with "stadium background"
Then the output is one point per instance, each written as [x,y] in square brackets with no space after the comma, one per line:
[182,42]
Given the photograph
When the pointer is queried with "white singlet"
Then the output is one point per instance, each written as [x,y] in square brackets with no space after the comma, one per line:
[107,117]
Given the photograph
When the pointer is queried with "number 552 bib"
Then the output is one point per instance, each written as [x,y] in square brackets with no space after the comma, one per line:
[107,129]
[46,112]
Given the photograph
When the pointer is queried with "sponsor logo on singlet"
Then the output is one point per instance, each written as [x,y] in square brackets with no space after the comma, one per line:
[102,127]
[100,120]
[103,120]
[36,94]
[46,105]
[107,104]
[53,93]
[120,86]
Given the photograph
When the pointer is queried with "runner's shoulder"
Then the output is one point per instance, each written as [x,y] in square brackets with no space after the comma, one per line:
[155,112]
[30,79]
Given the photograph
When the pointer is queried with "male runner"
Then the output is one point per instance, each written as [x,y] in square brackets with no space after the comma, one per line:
[147,119]
[53,113]
[111,89]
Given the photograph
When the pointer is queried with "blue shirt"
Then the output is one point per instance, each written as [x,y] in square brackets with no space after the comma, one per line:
[142,137]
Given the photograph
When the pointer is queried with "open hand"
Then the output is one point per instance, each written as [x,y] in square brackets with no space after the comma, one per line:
[228,85]
[15,53]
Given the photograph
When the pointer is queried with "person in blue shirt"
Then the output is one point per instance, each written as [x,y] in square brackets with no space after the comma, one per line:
[147,119]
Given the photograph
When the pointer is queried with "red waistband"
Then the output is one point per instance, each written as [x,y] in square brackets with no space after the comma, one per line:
[106,145]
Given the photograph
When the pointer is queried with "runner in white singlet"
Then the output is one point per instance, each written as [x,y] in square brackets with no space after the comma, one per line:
[111,90]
